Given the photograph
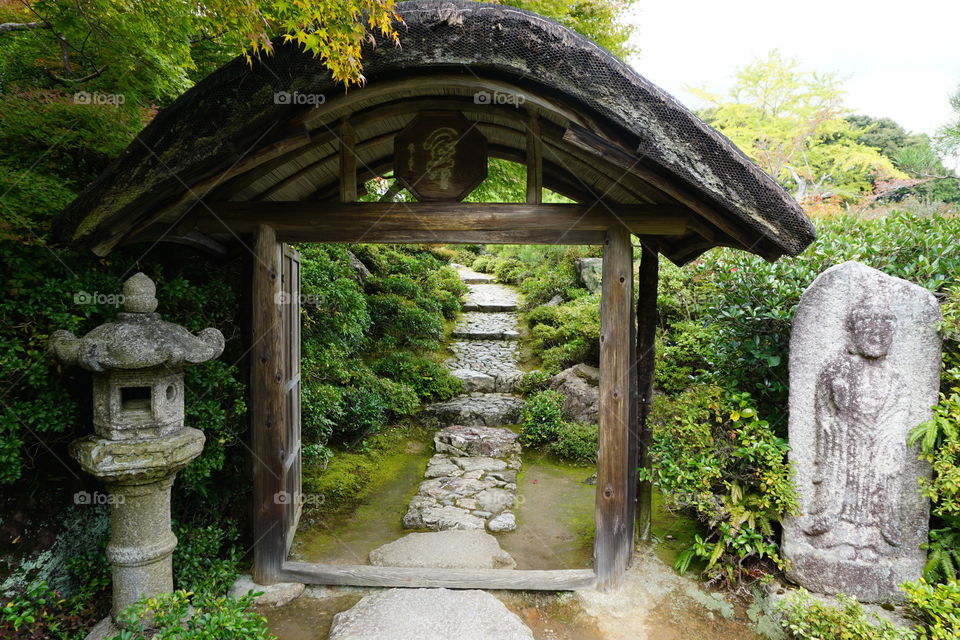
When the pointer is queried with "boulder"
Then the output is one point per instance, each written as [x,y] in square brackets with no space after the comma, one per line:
[453,549]
[581,395]
[589,273]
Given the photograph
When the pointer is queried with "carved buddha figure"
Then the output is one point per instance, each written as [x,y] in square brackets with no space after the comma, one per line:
[861,445]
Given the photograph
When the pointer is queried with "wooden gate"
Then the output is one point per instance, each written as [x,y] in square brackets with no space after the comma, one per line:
[275,401]
[290,343]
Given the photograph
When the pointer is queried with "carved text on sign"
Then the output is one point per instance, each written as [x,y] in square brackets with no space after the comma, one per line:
[440,155]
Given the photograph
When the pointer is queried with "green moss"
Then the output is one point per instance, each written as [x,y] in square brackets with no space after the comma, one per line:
[351,476]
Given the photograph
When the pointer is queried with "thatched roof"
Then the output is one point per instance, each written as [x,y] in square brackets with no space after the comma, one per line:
[608,133]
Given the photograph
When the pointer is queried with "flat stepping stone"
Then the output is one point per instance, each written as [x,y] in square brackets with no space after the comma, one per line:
[475,325]
[451,549]
[429,614]
[275,595]
[477,410]
[491,298]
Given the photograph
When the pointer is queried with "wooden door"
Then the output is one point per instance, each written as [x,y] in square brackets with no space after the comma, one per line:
[290,343]
[274,402]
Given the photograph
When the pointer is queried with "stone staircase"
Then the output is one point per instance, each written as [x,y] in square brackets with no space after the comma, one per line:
[485,358]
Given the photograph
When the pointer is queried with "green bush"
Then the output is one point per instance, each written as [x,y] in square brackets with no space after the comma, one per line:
[42,614]
[428,378]
[566,334]
[185,616]
[207,558]
[806,618]
[748,303]
[713,456]
[541,418]
[577,442]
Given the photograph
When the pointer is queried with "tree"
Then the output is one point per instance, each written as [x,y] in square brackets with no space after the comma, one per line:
[600,20]
[147,49]
[949,135]
[792,123]
[913,153]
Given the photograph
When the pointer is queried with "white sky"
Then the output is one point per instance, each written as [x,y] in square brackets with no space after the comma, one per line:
[900,59]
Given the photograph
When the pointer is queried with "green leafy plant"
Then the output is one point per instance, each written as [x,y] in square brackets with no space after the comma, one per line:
[807,618]
[182,615]
[936,607]
[715,457]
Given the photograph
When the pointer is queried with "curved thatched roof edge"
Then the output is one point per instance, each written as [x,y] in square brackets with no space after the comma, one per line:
[211,126]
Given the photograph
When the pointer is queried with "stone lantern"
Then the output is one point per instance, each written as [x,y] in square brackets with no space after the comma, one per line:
[140,441]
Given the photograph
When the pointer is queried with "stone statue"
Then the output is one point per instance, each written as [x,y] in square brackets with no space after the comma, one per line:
[864,370]
[859,461]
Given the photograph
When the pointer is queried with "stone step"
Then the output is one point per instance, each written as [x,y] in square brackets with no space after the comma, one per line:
[491,298]
[475,325]
[451,549]
[429,614]
[480,382]
[493,357]
[476,410]
[469,276]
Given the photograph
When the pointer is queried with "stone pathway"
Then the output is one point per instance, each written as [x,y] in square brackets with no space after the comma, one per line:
[471,482]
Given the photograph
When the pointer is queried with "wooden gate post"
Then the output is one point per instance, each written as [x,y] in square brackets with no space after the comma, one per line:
[613,544]
[646,340]
[267,396]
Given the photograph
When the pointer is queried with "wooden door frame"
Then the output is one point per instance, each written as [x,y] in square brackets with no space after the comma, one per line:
[614,511]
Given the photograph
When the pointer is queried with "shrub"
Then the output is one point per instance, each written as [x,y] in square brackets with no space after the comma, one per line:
[428,378]
[541,418]
[807,618]
[185,616]
[712,455]
[566,334]
[207,558]
[42,614]
[577,442]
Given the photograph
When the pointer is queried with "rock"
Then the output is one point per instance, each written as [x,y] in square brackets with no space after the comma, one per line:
[359,268]
[554,301]
[495,500]
[453,549]
[429,614]
[412,519]
[864,370]
[467,441]
[506,521]
[275,595]
[475,325]
[589,273]
[581,396]
[441,466]
[449,517]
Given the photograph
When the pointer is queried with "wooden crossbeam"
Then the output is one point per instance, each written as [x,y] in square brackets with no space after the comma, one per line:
[369,576]
[442,222]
